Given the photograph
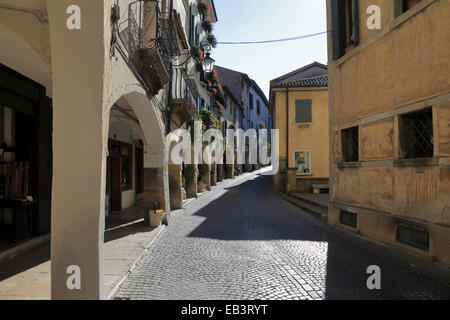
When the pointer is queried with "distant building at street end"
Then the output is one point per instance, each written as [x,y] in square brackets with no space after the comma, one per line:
[252,106]
[300,99]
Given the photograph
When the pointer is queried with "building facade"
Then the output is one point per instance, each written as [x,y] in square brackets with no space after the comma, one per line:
[389,109]
[252,110]
[300,99]
[103,84]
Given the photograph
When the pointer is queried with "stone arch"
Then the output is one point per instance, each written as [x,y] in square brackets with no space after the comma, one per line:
[19,55]
[155,152]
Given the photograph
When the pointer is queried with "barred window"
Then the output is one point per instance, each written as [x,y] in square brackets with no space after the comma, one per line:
[350,144]
[416,134]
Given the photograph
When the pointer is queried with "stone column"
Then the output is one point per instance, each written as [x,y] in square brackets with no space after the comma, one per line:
[80,131]
[230,171]
[191,190]
[175,187]
[206,178]
[154,188]
[219,174]
[214,175]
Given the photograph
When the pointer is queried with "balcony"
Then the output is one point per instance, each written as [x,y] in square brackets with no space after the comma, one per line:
[152,42]
[184,94]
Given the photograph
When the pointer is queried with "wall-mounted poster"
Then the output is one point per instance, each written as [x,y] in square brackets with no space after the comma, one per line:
[303,161]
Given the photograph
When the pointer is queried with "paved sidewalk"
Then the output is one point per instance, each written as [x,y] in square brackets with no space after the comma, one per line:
[241,241]
[28,276]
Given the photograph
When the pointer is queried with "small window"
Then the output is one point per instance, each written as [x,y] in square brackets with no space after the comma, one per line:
[303,162]
[303,111]
[258,107]
[345,25]
[250,98]
[350,144]
[416,134]
[408,4]
[349,219]
[191,25]
[417,238]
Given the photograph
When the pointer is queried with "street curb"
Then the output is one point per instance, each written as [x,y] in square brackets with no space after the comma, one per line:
[125,276]
[19,250]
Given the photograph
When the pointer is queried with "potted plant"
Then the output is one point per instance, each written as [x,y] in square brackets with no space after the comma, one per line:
[212,40]
[207,26]
[203,9]
[155,216]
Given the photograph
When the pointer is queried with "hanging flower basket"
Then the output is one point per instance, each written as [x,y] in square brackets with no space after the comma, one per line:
[203,8]
[207,26]
[212,40]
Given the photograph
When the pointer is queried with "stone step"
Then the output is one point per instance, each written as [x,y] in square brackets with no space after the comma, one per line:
[317,211]
[312,199]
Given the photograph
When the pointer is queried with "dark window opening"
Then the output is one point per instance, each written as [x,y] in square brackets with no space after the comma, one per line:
[139,170]
[417,238]
[123,151]
[250,97]
[350,144]
[303,111]
[408,4]
[416,134]
[345,25]
[349,219]
[258,107]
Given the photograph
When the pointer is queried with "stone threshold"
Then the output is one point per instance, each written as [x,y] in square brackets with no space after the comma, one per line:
[22,248]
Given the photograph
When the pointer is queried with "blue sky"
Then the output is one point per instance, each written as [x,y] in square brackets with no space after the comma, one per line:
[254,20]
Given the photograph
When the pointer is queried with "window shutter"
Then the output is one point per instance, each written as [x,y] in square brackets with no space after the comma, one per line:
[355,19]
[197,35]
[191,26]
[338,26]
[303,112]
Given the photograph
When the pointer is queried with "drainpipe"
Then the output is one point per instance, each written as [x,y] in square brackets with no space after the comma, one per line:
[169,100]
[287,128]
[286,179]
[355,19]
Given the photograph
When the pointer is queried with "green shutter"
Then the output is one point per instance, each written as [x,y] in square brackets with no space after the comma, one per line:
[303,112]
[197,36]
[338,25]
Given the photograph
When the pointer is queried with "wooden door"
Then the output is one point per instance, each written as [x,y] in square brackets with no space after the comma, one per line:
[115,187]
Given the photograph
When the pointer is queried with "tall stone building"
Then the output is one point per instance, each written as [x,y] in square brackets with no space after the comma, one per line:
[390,122]
[102,84]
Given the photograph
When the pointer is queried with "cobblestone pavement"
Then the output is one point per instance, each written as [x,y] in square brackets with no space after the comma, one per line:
[241,241]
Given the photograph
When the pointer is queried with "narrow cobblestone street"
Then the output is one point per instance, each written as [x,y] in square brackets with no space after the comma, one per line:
[241,241]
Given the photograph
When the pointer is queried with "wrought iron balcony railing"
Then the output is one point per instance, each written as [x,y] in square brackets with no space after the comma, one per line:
[151,41]
[184,93]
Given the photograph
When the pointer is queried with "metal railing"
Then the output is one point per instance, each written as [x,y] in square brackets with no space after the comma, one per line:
[183,86]
[149,28]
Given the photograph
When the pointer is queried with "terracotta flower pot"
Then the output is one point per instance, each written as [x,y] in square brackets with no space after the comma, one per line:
[349,47]
[412,3]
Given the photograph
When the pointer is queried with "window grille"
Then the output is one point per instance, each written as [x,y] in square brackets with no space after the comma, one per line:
[350,144]
[416,134]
